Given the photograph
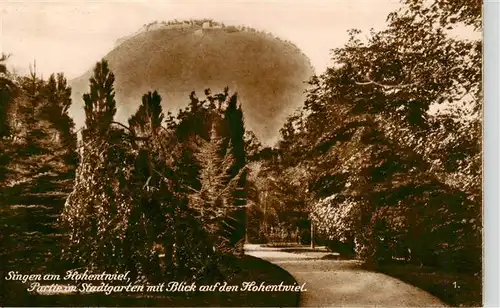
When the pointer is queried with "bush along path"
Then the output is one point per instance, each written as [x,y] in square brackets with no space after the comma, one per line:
[332,283]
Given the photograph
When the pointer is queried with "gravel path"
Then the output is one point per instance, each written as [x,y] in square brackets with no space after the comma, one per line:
[334,283]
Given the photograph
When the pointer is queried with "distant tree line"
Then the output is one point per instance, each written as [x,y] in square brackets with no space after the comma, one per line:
[199,23]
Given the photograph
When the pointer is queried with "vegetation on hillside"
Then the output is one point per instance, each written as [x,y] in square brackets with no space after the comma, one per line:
[176,61]
[207,24]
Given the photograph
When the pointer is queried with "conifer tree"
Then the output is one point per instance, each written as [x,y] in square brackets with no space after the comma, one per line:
[152,219]
[7,91]
[38,155]
[100,104]
[149,117]
[214,200]
[96,211]
[58,95]
[234,130]
[7,88]
[42,144]
[31,103]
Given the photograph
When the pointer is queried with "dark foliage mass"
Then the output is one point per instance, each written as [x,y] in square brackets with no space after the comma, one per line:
[37,134]
[384,157]
[163,197]
[160,201]
[38,159]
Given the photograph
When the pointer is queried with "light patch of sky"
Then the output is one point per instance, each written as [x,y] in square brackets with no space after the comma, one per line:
[71,36]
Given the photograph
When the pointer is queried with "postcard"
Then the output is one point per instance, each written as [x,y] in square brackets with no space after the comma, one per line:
[241,154]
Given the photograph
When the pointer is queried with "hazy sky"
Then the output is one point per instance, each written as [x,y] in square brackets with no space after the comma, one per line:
[71,36]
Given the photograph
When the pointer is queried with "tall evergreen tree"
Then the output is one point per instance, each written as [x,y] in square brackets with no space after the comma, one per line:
[34,132]
[42,143]
[193,125]
[7,88]
[37,152]
[151,220]
[58,95]
[96,212]
[7,92]
[214,200]
[234,131]
[100,104]
[149,117]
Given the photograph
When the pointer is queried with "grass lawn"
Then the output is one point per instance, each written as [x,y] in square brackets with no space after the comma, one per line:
[455,289]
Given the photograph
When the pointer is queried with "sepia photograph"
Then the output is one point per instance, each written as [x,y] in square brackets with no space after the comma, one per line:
[256,153]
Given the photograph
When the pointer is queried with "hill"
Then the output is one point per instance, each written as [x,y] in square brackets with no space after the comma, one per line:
[176,58]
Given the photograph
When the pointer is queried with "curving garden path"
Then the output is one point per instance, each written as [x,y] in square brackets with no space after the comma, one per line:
[339,283]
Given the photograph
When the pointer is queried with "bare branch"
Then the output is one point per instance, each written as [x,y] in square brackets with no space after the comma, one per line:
[233,181]
[122,125]
[386,86]
[400,85]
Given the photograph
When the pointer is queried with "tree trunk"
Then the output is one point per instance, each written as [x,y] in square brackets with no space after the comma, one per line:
[312,234]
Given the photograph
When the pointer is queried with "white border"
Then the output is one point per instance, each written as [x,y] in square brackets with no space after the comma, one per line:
[491,65]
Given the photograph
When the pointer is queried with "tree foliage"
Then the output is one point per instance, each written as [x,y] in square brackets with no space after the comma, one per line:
[100,105]
[388,140]
[38,136]
[7,91]
[151,199]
